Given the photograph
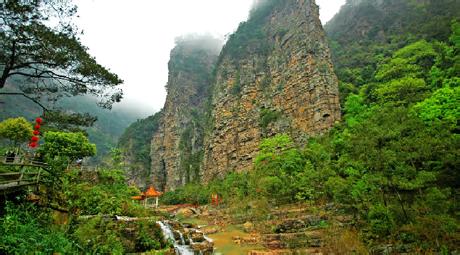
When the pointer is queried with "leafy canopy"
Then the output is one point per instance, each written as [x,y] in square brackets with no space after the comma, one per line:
[17,130]
[52,57]
[70,145]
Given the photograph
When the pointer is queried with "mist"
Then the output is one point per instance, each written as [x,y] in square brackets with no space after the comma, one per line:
[206,42]
[134,39]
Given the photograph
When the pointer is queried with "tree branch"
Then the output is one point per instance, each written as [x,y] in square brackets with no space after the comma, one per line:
[28,97]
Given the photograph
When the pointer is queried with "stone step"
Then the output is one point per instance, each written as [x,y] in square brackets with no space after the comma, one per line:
[288,214]
[293,240]
[297,224]
[291,212]
[308,251]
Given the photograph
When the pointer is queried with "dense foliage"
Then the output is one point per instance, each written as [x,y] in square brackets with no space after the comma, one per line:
[67,145]
[25,229]
[392,164]
[135,141]
[364,33]
[250,37]
[36,228]
[16,130]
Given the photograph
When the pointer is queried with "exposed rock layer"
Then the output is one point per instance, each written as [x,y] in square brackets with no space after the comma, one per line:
[177,144]
[273,76]
[293,82]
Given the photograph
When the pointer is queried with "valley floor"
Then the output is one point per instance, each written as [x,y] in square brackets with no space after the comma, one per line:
[291,229]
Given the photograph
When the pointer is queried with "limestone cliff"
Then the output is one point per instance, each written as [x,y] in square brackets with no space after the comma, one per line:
[135,149]
[274,76]
[176,147]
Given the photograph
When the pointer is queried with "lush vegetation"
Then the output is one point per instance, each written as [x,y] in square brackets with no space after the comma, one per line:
[70,146]
[72,212]
[26,228]
[40,228]
[358,51]
[16,130]
[392,164]
[135,142]
[250,37]
[29,228]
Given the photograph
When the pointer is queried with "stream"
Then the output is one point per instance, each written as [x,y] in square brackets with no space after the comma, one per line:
[186,240]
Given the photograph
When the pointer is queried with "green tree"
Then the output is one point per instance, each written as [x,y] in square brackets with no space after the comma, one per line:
[442,107]
[70,146]
[276,167]
[52,56]
[414,60]
[17,130]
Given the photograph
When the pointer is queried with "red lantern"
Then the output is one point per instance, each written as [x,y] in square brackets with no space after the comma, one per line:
[37,127]
[36,132]
[33,145]
[35,139]
[39,120]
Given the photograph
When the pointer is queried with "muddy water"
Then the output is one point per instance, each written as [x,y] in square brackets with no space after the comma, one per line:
[223,242]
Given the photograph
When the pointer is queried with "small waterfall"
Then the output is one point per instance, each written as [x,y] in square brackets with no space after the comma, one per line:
[166,230]
[182,240]
[181,249]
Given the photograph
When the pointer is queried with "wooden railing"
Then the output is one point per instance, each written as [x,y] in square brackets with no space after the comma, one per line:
[19,176]
[21,161]
[17,179]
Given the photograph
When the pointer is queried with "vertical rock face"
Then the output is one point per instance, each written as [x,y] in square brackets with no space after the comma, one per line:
[177,144]
[135,144]
[274,76]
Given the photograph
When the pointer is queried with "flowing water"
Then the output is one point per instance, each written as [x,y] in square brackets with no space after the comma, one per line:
[180,248]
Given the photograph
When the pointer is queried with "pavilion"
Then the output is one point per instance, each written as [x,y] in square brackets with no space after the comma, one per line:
[147,195]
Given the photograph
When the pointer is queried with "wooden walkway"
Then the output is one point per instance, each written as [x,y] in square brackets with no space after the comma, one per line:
[14,181]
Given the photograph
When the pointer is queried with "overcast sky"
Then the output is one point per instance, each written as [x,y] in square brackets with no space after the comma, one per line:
[134,38]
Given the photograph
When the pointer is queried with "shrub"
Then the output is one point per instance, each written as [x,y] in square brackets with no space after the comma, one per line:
[381,221]
[26,229]
[17,130]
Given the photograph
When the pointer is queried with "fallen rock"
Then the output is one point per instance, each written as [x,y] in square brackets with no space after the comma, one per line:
[248,227]
[185,212]
[203,247]
[196,236]
[210,229]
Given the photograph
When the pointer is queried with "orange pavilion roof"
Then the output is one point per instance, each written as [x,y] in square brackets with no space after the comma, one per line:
[151,192]
[137,198]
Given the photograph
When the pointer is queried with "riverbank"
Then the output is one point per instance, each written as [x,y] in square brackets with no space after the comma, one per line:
[291,229]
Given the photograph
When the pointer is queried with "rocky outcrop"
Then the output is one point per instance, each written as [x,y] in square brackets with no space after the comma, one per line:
[135,148]
[279,81]
[274,75]
[176,147]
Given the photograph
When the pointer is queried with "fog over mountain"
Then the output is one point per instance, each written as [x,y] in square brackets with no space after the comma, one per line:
[134,39]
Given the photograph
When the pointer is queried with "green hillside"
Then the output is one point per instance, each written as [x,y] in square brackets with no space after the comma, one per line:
[364,33]
[392,163]
[105,131]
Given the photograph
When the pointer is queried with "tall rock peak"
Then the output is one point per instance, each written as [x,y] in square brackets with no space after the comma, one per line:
[274,75]
[176,145]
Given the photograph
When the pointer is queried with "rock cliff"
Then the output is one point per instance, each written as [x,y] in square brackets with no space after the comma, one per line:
[274,75]
[278,79]
[177,144]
